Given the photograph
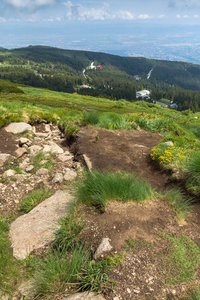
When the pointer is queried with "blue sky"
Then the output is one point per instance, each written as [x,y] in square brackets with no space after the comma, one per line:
[79,24]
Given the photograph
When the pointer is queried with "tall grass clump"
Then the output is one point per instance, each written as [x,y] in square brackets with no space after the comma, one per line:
[96,188]
[193,171]
[179,202]
[110,121]
[8,265]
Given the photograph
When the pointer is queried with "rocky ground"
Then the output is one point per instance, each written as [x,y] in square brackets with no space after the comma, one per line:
[45,158]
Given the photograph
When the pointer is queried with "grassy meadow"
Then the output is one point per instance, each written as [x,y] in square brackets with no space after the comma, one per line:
[69,261]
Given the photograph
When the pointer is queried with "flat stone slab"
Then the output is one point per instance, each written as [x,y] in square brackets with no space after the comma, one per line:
[36,229]
[18,127]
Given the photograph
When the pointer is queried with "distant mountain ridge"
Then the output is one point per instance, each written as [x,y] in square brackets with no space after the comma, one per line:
[119,77]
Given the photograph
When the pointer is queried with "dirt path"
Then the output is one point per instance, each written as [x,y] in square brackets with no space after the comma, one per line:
[121,150]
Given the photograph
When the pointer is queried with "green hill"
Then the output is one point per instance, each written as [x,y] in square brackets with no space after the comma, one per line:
[62,70]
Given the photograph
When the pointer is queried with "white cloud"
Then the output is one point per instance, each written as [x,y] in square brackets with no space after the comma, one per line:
[2,20]
[125,15]
[178,16]
[79,12]
[29,4]
[144,16]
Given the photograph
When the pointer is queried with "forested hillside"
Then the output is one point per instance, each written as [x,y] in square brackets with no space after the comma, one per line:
[110,76]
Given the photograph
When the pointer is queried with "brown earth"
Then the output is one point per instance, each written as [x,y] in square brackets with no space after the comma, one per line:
[142,274]
[121,150]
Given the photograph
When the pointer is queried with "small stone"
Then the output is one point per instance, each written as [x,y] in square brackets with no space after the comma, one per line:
[42,171]
[136,291]
[24,141]
[174,292]
[128,290]
[9,173]
[35,148]
[29,168]
[58,178]
[20,152]
[103,247]
[70,174]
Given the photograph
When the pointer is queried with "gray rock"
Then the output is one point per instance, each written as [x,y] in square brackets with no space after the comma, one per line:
[35,148]
[29,168]
[103,248]
[87,162]
[42,171]
[36,229]
[24,141]
[84,296]
[65,157]
[9,173]
[53,147]
[4,157]
[42,135]
[20,152]
[70,174]
[18,127]
[169,143]
[58,178]
[47,128]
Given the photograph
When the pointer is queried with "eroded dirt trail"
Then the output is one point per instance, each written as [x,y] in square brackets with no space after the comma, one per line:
[121,150]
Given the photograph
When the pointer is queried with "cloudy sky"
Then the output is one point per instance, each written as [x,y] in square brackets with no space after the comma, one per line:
[66,23]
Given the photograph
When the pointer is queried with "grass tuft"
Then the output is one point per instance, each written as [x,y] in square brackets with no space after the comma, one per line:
[182,260]
[179,202]
[33,199]
[96,189]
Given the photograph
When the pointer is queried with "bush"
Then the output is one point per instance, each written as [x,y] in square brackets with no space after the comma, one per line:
[96,188]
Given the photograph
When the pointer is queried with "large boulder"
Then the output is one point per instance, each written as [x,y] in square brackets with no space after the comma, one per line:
[18,127]
[36,229]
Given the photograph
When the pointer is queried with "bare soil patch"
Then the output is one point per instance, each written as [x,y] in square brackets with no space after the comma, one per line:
[121,150]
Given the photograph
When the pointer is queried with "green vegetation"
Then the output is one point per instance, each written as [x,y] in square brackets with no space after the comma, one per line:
[180,203]
[182,259]
[9,267]
[96,189]
[193,171]
[33,199]
[134,245]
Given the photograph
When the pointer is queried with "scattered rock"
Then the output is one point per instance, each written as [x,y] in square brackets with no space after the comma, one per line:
[70,174]
[35,148]
[58,178]
[103,247]
[18,127]
[84,296]
[20,152]
[53,147]
[29,168]
[36,229]
[42,171]
[24,141]
[9,173]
